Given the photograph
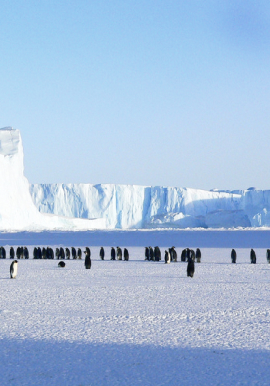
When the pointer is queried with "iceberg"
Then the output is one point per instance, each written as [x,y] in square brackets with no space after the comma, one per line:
[25,206]
[17,210]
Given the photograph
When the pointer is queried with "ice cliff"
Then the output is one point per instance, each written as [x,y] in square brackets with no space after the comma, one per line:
[131,206]
[17,210]
[86,206]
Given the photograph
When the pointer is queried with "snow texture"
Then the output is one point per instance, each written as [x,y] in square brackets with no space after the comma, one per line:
[17,210]
[131,206]
[136,322]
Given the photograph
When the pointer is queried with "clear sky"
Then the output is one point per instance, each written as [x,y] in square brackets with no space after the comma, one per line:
[147,92]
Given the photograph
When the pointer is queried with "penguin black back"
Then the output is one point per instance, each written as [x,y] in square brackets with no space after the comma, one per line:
[11,253]
[198,255]
[126,254]
[268,255]
[190,267]
[102,253]
[74,254]
[252,256]
[112,253]
[87,261]
[233,256]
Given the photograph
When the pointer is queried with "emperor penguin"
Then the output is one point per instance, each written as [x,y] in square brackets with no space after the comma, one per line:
[252,256]
[102,253]
[190,267]
[233,256]
[87,261]
[198,255]
[13,269]
[167,257]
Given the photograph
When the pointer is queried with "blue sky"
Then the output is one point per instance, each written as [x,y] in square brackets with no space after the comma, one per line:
[172,93]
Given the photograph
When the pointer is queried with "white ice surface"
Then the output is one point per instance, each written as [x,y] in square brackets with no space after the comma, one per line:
[136,322]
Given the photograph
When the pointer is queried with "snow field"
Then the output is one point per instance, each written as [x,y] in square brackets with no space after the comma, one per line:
[136,322]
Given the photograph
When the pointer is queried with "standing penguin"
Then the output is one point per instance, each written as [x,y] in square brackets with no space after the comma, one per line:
[126,254]
[79,253]
[167,257]
[190,267]
[198,255]
[13,269]
[119,253]
[112,253]
[173,254]
[67,253]
[102,253]
[25,253]
[183,255]
[73,252]
[252,256]
[157,254]
[87,261]
[12,253]
[233,256]
[268,255]
[146,253]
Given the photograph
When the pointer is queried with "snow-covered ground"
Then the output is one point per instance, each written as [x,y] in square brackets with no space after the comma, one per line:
[135,322]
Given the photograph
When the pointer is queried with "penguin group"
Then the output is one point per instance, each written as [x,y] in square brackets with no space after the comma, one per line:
[117,254]
[151,254]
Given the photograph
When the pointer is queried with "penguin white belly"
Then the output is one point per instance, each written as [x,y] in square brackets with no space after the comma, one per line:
[14,271]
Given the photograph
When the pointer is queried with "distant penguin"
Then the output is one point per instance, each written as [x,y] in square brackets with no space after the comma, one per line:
[25,253]
[190,267]
[67,253]
[50,253]
[157,254]
[167,257]
[112,253]
[146,253]
[192,254]
[2,253]
[61,253]
[126,254]
[102,253]
[173,254]
[61,264]
[87,261]
[119,253]
[39,253]
[13,269]
[79,253]
[19,253]
[252,256]
[44,253]
[73,253]
[233,256]
[198,255]
[11,253]
[183,255]
[268,255]
[57,253]
[151,254]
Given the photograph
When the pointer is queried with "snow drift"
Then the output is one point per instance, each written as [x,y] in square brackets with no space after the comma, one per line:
[17,210]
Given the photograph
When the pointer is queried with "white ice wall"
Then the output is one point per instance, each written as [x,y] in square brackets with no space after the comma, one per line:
[85,206]
[17,210]
[131,206]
